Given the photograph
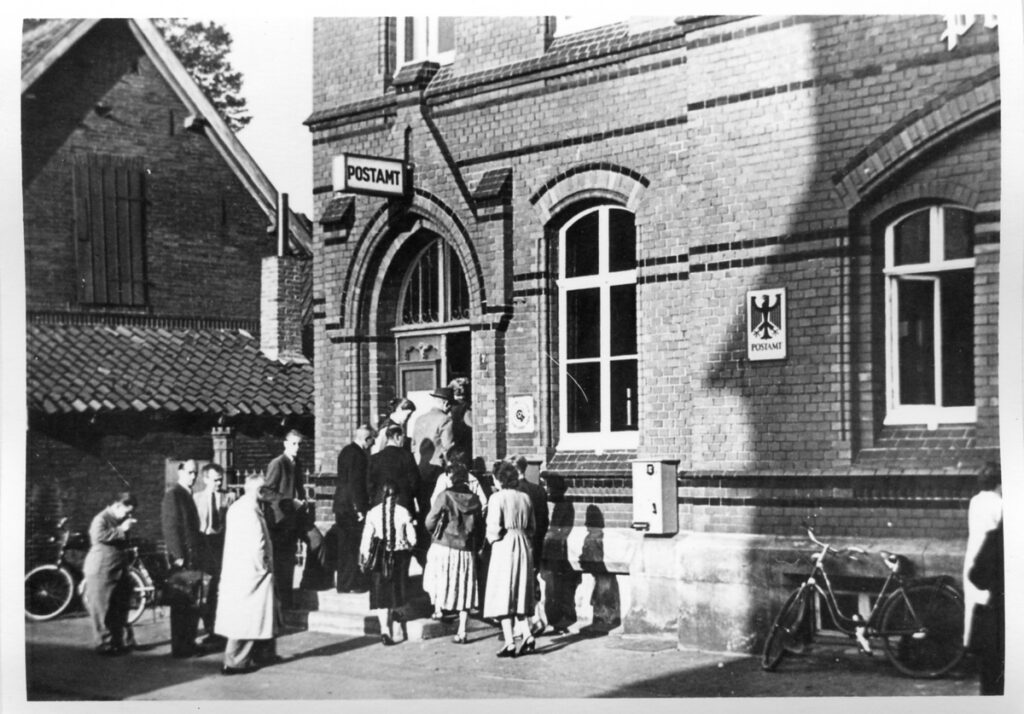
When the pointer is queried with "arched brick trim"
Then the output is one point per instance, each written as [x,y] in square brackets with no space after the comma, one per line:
[968,104]
[431,213]
[593,179]
[940,191]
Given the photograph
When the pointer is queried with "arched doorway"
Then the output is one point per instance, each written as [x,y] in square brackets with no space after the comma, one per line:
[432,324]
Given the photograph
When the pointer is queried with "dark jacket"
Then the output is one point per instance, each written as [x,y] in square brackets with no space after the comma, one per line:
[350,494]
[539,501]
[462,514]
[180,521]
[395,464]
[281,488]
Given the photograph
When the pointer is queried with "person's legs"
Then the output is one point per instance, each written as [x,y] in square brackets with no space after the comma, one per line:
[384,618]
[238,654]
[463,620]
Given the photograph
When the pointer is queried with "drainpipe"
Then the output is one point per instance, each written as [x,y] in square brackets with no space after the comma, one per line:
[282,224]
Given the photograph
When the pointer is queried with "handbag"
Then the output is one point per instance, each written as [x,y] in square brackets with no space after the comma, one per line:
[375,555]
[187,587]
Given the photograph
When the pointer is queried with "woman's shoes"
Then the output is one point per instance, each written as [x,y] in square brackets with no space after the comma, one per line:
[459,639]
[507,651]
[526,646]
[386,640]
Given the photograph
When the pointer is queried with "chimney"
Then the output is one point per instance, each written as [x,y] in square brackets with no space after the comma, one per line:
[283,284]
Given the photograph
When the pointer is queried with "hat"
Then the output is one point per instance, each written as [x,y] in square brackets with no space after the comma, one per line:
[445,393]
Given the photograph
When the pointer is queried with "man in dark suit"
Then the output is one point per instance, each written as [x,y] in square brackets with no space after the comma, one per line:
[396,464]
[284,497]
[539,501]
[350,506]
[180,521]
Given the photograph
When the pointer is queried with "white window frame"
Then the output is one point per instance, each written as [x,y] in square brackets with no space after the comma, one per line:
[928,414]
[604,280]
[424,42]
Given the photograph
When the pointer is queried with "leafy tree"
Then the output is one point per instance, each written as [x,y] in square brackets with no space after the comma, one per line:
[203,49]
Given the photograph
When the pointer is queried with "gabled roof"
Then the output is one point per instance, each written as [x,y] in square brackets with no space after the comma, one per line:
[47,42]
[97,369]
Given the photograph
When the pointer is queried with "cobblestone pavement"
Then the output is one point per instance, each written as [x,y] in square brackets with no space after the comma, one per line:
[60,665]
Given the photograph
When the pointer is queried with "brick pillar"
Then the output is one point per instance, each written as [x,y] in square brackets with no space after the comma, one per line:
[284,281]
[224,450]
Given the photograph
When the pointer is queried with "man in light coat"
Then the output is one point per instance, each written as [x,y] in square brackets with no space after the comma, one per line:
[246,609]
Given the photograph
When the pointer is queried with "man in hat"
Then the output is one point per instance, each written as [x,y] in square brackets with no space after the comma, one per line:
[428,430]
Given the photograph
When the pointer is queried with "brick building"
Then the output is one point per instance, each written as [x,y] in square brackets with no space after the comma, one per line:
[151,259]
[607,228]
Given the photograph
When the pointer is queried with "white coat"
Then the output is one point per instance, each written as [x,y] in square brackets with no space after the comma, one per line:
[245,602]
[984,514]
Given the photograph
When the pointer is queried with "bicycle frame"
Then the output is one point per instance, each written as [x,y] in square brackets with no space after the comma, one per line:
[819,581]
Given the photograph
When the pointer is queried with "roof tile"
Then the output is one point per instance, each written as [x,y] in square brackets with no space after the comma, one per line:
[148,369]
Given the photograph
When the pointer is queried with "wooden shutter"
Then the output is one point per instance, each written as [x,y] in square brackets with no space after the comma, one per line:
[110,230]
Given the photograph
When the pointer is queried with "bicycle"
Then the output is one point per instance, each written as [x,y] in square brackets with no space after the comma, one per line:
[50,588]
[145,588]
[918,620]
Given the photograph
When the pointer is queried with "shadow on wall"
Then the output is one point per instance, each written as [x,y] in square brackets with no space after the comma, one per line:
[566,586]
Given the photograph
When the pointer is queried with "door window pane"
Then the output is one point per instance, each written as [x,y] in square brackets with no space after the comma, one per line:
[911,239]
[623,395]
[583,323]
[621,240]
[583,387]
[916,341]
[581,247]
[623,319]
[958,339]
[958,235]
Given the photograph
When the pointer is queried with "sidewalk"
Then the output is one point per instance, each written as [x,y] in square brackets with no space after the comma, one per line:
[60,665]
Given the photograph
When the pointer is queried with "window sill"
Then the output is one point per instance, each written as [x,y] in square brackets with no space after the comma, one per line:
[599,443]
[931,417]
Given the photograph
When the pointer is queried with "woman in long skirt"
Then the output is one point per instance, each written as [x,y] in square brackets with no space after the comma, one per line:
[456,519]
[393,525]
[509,595]
[107,585]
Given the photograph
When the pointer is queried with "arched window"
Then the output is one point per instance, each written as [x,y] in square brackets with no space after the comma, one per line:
[598,398]
[435,288]
[929,293]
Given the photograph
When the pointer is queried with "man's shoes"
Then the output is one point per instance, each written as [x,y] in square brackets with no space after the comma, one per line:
[238,670]
[111,650]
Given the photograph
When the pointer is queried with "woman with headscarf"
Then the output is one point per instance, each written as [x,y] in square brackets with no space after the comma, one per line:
[108,587]
[456,520]
[393,526]
[509,595]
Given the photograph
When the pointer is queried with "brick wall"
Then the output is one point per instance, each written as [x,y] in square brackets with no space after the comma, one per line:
[729,140]
[283,282]
[205,234]
[75,466]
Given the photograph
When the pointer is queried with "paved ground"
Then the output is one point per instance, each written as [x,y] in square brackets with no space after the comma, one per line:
[60,665]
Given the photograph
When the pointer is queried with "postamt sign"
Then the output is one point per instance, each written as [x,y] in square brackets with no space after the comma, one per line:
[375,176]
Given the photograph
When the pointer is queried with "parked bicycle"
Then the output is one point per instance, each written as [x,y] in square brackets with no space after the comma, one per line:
[50,588]
[918,620]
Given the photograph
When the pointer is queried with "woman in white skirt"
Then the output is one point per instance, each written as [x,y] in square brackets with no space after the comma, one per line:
[509,593]
[456,520]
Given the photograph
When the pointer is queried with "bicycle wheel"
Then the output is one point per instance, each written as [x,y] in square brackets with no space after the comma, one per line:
[785,629]
[48,592]
[140,596]
[922,629]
